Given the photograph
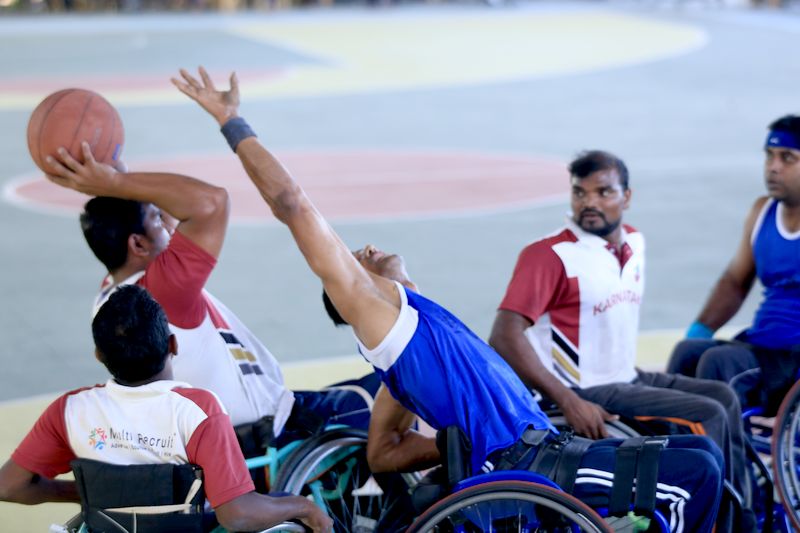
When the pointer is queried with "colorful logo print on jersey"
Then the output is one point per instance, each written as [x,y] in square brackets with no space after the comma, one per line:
[97,438]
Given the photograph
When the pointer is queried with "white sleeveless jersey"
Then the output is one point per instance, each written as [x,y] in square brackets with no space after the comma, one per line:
[584,303]
[216,351]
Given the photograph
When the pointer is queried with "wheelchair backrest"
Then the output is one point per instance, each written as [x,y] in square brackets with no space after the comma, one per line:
[156,498]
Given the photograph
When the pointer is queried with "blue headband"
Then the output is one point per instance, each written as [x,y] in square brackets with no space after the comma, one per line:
[782,139]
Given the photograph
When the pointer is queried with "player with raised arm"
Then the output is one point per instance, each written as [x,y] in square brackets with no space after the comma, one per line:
[430,362]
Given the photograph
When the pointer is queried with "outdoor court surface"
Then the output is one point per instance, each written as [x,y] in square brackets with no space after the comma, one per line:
[437,131]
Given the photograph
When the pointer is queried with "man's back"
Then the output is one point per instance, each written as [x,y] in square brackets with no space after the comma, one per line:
[437,368]
[160,422]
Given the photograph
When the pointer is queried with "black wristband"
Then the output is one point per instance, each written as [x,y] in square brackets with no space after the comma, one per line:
[235,131]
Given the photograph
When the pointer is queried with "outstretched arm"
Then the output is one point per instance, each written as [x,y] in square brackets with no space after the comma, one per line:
[201,209]
[736,281]
[369,303]
[508,339]
[19,485]
[393,445]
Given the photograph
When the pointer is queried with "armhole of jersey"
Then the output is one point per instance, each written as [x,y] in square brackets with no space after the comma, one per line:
[760,220]
[386,353]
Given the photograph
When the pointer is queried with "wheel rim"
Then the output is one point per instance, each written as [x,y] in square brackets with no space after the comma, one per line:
[335,474]
[508,507]
[784,455]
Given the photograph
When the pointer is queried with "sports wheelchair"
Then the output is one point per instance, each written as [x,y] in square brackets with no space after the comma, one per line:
[785,455]
[330,468]
[159,498]
[514,500]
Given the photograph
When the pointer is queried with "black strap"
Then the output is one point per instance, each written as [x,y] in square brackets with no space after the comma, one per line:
[569,461]
[647,476]
[559,459]
[636,458]
[624,474]
[519,452]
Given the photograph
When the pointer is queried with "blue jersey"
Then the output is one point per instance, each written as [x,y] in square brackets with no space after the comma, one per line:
[776,253]
[438,369]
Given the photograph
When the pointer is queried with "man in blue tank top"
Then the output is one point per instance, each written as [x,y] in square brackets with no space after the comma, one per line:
[770,251]
[431,364]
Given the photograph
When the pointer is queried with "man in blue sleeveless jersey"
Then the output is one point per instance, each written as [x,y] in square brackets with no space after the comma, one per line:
[770,251]
[431,363]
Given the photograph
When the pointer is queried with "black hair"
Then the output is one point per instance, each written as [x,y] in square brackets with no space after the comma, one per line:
[107,223]
[787,123]
[591,161]
[131,334]
[331,310]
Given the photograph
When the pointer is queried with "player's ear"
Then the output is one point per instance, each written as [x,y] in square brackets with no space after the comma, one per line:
[138,245]
[173,345]
[627,195]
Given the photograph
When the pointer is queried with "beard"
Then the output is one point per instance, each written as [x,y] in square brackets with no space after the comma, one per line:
[602,230]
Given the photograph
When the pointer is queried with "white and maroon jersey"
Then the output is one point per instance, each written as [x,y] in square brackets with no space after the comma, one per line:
[583,300]
[160,422]
[215,350]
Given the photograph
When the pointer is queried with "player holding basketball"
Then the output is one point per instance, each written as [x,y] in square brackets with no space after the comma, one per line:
[429,361]
[124,225]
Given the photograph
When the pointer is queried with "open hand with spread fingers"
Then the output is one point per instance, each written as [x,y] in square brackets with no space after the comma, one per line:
[222,105]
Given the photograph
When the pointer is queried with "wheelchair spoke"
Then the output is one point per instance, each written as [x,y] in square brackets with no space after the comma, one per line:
[334,469]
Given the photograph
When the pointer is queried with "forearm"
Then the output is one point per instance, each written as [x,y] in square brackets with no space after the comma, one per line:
[406,452]
[42,490]
[723,303]
[283,195]
[253,511]
[181,196]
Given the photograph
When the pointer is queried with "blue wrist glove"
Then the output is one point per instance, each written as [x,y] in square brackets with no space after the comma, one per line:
[235,131]
[698,330]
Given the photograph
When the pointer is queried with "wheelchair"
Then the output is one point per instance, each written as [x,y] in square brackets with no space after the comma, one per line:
[785,452]
[769,454]
[154,498]
[507,501]
[331,468]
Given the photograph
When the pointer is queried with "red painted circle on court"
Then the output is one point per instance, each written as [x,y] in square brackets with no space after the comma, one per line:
[358,185]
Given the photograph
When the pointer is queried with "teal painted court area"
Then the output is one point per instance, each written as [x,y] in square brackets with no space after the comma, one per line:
[415,127]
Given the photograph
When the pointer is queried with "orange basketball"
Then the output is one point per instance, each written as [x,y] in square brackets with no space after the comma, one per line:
[67,118]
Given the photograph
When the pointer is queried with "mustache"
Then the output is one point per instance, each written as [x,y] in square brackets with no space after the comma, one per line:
[590,211]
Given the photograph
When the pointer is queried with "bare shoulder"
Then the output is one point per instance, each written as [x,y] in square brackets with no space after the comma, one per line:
[754,213]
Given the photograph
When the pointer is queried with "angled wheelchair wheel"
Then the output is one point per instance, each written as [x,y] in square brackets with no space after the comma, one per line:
[509,506]
[332,469]
[786,454]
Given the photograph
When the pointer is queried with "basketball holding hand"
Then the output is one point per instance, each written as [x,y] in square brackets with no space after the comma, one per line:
[90,177]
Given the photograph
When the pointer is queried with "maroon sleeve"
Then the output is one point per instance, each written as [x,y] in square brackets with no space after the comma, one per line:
[46,450]
[539,277]
[176,279]
[213,447]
